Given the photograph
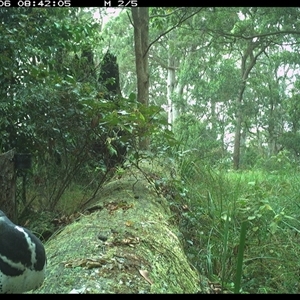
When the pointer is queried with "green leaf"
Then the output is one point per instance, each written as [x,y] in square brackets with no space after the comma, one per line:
[273,227]
[239,267]
[132,97]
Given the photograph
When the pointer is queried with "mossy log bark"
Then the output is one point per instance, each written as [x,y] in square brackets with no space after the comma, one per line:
[125,242]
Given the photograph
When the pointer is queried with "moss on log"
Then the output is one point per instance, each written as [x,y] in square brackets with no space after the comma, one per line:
[124,242]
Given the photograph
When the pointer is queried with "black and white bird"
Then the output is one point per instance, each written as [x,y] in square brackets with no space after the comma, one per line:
[22,258]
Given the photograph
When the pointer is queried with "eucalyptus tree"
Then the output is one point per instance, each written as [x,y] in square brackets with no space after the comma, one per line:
[290,137]
[140,18]
[248,33]
[174,49]
[243,38]
[207,59]
[202,81]
[271,87]
[164,23]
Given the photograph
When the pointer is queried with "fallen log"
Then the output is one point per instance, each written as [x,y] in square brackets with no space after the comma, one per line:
[124,242]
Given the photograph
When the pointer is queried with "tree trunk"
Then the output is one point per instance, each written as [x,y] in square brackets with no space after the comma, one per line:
[170,90]
[8,185]
[272,127]
[238,126]
[246,67]
[140,16]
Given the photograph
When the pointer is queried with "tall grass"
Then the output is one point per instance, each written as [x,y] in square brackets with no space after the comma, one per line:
[239,266]
[264,258]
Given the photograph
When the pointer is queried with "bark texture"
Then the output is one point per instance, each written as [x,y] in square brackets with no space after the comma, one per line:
[140,17]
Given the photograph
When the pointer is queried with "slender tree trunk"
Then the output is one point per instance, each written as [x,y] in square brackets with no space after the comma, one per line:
[273,127]
[214,119]
[170,90]
[140,16]
[238,129]
[248,62]
[179,93]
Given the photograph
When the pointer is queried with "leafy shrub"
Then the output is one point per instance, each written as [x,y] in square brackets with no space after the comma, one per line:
[282,162]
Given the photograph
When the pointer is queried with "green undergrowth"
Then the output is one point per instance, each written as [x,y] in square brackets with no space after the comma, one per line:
[241,228]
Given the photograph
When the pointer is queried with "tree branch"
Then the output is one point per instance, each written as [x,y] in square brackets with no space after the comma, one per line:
[170,29]
[258,35]
[167,15]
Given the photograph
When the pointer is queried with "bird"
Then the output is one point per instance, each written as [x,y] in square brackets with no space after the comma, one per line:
[22,258]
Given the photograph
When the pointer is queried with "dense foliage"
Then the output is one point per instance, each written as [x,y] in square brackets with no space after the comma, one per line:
[56,99]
